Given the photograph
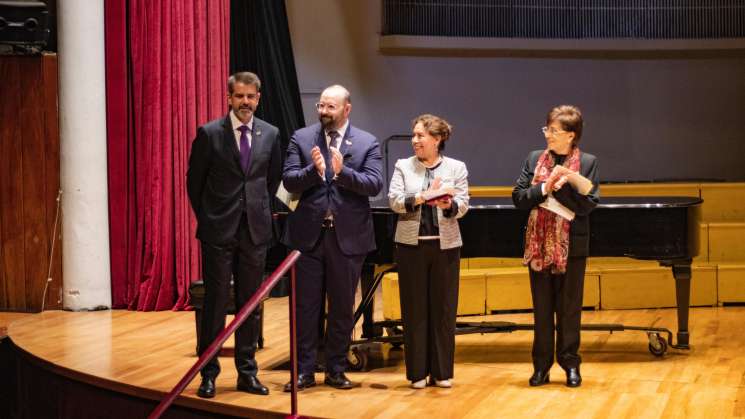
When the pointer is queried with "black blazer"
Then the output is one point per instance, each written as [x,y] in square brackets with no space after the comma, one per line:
[218,189]
[526,196]
[347,196]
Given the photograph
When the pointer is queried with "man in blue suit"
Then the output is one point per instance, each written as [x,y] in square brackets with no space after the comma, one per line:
[336,168]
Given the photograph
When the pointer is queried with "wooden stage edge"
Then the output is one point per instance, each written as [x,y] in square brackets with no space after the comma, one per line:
[144,354]
[8,317]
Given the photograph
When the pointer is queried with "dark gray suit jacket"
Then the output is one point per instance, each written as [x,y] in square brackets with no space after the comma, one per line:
[218,189]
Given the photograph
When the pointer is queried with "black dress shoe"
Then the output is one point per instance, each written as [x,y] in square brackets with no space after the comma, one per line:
[573,377]
[338,380]
[251,384]
[207,388]
[538,378]
[303,381]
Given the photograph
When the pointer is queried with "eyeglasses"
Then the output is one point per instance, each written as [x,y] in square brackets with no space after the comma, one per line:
[551,131]
[328,106]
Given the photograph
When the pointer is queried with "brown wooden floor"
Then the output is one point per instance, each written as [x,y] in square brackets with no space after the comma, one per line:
[146,353]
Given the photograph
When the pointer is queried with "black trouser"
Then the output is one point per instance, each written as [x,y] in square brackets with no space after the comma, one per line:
[244,261]
[428,285]
[560,294]
[326,268]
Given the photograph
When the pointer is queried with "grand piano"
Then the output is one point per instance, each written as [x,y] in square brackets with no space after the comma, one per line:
[664,229]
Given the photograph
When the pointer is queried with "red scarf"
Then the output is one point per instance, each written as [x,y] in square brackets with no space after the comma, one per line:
[547,235]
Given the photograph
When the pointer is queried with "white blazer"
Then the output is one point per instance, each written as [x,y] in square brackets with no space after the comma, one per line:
[408,179]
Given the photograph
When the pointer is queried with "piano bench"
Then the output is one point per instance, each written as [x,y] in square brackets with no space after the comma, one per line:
[196,299]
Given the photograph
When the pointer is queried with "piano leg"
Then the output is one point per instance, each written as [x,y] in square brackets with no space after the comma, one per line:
[682,274]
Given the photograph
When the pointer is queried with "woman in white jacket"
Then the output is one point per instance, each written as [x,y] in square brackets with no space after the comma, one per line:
[429,192]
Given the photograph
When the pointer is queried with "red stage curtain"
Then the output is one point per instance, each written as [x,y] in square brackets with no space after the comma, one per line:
[166,67]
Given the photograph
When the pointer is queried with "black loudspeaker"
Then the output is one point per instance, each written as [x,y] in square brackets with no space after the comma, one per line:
[24,23]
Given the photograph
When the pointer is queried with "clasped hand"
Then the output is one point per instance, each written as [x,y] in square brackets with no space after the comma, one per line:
[559,176]
[444,202]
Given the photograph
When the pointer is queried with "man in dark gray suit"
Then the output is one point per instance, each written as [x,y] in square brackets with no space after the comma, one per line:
[336,168]
[234,171]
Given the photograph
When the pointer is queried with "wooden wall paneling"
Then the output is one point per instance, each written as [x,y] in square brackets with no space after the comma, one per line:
[29,181]
[52,184]
[11,185]
[33,143]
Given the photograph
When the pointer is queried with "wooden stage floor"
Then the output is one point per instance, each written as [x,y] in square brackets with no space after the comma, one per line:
[145,354]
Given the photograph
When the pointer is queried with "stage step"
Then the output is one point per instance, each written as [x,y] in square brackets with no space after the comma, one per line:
[471,294]
[509,289]
[731,283]
[610,283]
[650,189]
[723,202]
[726,242]
[653,287]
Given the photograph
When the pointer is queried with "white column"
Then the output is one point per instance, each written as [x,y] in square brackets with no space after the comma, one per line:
[82,106]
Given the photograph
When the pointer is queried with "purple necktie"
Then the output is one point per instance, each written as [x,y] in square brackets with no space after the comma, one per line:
[245,148]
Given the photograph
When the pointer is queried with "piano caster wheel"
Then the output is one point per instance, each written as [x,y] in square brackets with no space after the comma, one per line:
[358,359]
[657,344]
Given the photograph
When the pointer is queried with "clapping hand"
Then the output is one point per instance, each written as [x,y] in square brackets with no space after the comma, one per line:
[318,161]
[337,161]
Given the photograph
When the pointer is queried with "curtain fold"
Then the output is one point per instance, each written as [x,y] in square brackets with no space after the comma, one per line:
[166,66]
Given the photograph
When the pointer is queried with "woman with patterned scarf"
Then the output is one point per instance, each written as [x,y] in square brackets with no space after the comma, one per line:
[559,185]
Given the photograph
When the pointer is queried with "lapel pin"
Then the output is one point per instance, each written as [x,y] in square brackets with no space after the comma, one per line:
[348,142]
[258,132]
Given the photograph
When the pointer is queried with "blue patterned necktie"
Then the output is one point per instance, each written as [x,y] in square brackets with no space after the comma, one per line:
[245,148]
[333,135]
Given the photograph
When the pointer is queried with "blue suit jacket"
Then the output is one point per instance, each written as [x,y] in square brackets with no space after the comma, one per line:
[347,196]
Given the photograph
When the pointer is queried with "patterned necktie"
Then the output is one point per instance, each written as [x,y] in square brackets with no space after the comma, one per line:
[333,135]
[245,148]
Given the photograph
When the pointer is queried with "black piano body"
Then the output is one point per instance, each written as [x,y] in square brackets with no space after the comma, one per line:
[664,229]
[651,228]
